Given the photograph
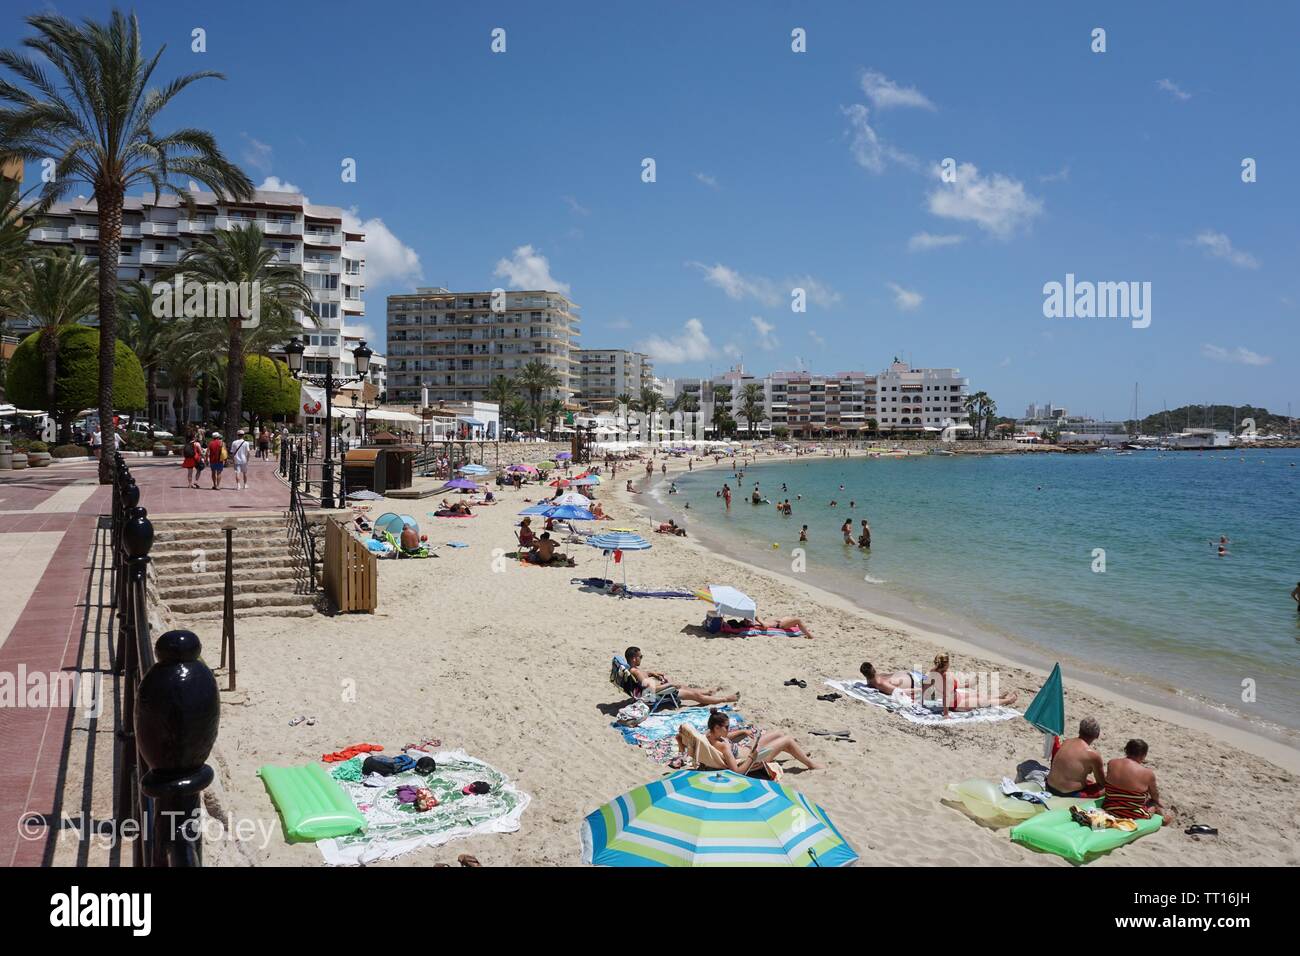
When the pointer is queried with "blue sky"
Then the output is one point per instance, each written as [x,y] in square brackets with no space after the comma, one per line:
[778,169]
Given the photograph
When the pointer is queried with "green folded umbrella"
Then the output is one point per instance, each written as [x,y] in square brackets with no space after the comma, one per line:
[1047,712]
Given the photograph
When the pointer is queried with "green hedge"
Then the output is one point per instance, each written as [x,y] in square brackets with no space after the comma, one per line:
[269,389]
[69,451]
[77,374]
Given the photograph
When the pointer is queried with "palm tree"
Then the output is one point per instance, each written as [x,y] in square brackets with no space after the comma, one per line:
[554,412]
[232,258]
[90,107]
[973,410]
[684,403]
[146,334]
[650,402]
[57,290]
[625,401]
[515,411]
[535,378]
[751,405]
[500,390]
[989,409]
[16,221]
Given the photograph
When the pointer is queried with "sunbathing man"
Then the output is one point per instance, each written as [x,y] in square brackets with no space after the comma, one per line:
[1131,792]
[671,527]
[410,539]
[742,749]
[963,694]
[909,682]
[652,682]
[1075,762]
[455,507]
[775,624]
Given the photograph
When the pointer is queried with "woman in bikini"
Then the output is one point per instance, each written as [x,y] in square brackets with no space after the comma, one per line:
[963,694]
[741,749]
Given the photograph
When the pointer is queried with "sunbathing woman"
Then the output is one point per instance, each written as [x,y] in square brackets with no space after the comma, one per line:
[652,682]
[526,535]
[776,624]
[741,749]
[963,694]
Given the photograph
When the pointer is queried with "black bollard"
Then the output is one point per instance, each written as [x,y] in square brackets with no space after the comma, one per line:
[178,710]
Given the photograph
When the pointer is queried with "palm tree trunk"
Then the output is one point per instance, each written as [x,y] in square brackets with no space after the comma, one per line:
[109,199]
[150,395]
[234,380]
[50,352]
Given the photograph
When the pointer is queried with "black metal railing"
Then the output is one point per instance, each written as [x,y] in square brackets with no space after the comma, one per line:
[168,703]
[300,533]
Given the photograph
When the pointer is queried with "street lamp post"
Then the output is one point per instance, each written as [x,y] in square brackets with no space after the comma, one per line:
[293,352]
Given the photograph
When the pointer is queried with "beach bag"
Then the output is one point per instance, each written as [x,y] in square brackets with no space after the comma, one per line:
[224,454]
[632,714]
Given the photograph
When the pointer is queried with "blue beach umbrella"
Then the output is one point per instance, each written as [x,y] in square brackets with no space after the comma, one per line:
[1047,712]
[611,541]
[568,513]
[538,509]
[708,818]
[472,470]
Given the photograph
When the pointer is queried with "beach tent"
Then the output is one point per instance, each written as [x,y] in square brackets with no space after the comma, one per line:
[713,818]
[618,542]
[394,523]
[729,601]
[1047,712]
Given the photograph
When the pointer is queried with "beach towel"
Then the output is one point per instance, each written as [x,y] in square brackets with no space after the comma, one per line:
[730,631]
[394,828]
[664,726]
[917,713]
[448,514]
[605,583]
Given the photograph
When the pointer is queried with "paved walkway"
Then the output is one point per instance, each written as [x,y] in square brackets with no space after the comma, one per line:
[56,618]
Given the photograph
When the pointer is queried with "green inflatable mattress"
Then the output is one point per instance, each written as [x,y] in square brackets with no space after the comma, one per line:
[312,805]
[1055,832]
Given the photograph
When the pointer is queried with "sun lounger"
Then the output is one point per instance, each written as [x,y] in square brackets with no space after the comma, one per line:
[621,676]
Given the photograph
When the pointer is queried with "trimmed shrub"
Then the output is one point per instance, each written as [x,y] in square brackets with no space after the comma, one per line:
[70,451]
[77,374]
[38,446]
[269,389]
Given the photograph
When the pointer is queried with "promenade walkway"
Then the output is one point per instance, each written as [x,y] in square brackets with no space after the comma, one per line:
[57,759]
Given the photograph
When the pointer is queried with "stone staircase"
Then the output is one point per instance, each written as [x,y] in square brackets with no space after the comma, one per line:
[189,562]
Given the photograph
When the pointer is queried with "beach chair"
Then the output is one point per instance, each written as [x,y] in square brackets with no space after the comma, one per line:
[706,756]
[621,676]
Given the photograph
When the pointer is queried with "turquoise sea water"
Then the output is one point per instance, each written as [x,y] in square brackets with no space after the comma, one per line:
[1003,546]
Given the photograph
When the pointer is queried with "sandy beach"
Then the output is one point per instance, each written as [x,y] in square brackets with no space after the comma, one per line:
[510,663]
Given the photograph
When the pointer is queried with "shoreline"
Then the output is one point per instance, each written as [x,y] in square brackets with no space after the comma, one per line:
[1272,742]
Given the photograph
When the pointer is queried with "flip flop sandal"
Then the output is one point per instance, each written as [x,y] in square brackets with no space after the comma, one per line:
[796,682]
[829,698]
[1200,829]
[466,860]
[296,721]
[311,721]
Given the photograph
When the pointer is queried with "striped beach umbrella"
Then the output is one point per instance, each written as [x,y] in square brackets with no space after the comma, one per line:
[618,541]
[713,818]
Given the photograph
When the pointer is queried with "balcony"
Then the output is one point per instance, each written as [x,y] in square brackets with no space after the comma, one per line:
[157,229]
[321,264]
[196,225]
[155,256]
[321,238]
[273,227]
[83,232]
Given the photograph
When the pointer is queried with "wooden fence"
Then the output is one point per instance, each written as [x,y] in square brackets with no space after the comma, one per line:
[351,572]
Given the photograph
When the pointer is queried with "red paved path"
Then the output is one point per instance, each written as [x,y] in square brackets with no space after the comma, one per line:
[55,623]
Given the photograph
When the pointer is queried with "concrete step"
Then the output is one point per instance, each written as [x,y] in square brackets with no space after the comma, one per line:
[174,578]
[216,589]
[182,562]
[187,607]
[250,548]
[244,533]
[304,610]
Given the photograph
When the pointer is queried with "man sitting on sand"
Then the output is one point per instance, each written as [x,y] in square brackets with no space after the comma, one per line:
[1075,762]
[671,527]
[544,552]
[651,682]
[1131,792]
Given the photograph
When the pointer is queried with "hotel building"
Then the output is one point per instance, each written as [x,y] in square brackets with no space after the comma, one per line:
[605,374]
[449,346]
[311,238]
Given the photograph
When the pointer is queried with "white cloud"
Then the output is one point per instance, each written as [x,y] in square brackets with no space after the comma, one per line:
[388,259]
[690,345]
[710,181]
[256,154]
[529,269]
[764,290]
[817,339]
[997,204]
[925,241]
[731,350]
[1239,355]
[737,286]
[868,149]
[1219,246]
[575,206]
[1062,175]
[1005,362]
[1169,86]
[885,94]
[766,340]
[274,184]
[906,299]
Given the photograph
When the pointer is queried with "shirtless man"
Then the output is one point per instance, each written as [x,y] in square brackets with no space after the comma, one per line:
[1131,791]
[909,682]
[544,552]
[653,681]
[1075,762]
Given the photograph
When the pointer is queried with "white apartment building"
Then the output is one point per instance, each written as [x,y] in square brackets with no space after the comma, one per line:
[157,230]
[453,344]
[605,374]
[914,399]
